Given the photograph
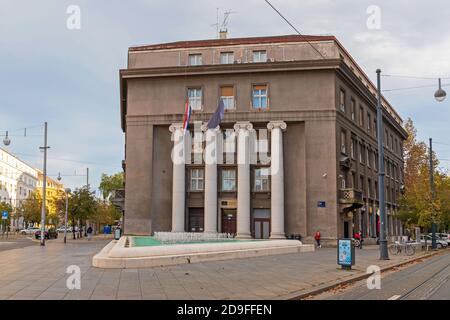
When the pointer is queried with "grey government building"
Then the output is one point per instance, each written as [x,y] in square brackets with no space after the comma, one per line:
[319,112]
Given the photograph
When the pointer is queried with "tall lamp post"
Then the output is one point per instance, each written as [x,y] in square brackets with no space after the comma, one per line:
[67,190]
[384,255]
[433,198]
[440,96]
[7,142]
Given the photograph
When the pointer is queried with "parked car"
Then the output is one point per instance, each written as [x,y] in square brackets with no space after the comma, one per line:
[442,236]
[61,229]
[49,234]
[28,231]
[440,243]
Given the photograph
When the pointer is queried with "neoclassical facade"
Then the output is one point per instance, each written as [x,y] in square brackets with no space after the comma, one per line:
[294,154]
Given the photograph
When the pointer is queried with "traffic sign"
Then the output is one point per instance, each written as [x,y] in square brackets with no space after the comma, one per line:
[5,215]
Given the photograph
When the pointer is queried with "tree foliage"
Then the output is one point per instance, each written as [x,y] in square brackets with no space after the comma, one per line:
[109,183]
[417,207]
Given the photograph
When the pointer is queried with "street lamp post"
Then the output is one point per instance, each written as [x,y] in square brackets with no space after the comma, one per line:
[44,186]
[67,190]
[433,196]
[384,255]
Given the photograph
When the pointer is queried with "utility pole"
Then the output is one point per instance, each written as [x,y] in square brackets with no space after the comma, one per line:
[384,255]
[44,186]
[433,198]
[87,177]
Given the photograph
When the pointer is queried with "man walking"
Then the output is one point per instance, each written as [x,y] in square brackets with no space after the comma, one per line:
[317,238]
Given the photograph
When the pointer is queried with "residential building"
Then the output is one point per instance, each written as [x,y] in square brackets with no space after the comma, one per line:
[17,181]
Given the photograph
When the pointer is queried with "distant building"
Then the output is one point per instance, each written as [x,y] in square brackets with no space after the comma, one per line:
[17,181]
[322,109]
[53,189]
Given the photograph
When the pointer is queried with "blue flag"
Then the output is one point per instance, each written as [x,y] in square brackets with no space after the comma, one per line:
[217,116]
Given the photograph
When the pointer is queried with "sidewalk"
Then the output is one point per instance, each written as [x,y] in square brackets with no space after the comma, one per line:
[40,273]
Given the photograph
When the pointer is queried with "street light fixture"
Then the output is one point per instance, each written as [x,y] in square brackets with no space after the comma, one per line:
[440,94]
[6,140]
[67,190]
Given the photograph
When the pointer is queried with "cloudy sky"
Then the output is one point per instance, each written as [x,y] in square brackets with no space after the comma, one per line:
[69,78]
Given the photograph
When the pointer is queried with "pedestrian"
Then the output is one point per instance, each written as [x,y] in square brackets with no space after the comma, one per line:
[317,238]
[89,233]
[357,236]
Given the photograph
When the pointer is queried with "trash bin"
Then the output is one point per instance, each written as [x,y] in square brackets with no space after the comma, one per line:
[117,234]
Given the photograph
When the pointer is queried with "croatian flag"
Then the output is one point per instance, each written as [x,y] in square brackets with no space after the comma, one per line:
[187,116]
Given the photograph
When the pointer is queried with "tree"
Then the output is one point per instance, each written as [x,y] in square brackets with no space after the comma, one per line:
[31,208]
[110,183]
[417,207]
[82,206]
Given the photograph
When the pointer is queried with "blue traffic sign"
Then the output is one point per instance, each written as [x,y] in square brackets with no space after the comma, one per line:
[5,215]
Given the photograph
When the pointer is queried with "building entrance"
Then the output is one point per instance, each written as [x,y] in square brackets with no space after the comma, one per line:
[229,221]
[196,220]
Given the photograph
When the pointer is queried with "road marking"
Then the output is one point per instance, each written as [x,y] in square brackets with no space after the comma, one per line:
[396,297]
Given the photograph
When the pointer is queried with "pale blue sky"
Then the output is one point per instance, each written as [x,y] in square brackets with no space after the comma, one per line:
[70,78]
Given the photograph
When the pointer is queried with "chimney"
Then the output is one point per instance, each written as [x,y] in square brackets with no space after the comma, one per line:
[223,34]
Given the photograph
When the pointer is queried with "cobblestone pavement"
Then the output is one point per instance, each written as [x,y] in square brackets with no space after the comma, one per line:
[35,272]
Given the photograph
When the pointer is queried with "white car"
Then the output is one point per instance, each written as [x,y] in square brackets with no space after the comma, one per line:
[29,231]
[440,243]
[61,229]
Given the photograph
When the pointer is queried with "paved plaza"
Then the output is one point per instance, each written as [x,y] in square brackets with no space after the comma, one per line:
[34,272]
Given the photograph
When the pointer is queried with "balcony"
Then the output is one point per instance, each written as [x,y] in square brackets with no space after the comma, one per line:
[351,199]
[118,198]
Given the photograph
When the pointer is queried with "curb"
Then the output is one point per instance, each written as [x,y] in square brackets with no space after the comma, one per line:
[300,295]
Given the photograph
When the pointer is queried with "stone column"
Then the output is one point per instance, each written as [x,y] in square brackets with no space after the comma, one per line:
[211,160]
[178,188]
[243,183]
[277,179]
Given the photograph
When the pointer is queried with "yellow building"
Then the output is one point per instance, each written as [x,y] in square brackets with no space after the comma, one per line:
[52,190]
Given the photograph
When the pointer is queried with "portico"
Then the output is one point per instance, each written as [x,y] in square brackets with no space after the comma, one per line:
[244,135]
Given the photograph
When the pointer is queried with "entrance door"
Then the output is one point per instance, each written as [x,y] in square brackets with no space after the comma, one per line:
[196,220]
[261,223]
[229,221]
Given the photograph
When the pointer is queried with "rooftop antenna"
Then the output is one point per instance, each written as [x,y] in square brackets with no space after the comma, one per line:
[217,23]
[226,20]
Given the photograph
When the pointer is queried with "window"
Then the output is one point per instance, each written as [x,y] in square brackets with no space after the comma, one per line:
[197,142]
[369,188]
[197,179]
[342,101]
[361,183]
[375,128]
[229,180]
[353,148]
[343,142]
[354,180]
[368,151]
[361,153]
[361,116]
[229,138]
[369,122]
[259,97]
[353,109]
[226,57]
[260,56]
[195,98]
[262,179]
[227,96]
[195,60]
[391,143]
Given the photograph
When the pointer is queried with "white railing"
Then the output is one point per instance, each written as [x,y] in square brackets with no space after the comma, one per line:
[186,237]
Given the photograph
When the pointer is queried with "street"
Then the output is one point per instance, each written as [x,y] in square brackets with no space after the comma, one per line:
[427,280]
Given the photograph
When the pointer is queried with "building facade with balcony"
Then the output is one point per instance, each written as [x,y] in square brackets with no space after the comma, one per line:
[313,115]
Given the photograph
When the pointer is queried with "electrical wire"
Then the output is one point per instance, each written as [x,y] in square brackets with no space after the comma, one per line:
[410,88]
[413,77]
[296,30]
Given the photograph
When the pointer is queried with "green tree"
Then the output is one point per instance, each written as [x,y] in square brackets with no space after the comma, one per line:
[31,208]
[109,183]
[82,206]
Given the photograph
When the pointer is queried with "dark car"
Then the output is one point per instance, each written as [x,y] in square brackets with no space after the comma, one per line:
[49,234]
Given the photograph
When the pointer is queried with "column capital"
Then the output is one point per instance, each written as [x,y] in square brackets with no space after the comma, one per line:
[205,128]
[277,125]
[244,125]
[175,127]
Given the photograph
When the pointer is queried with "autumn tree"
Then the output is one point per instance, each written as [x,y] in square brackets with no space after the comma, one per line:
[417,207]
